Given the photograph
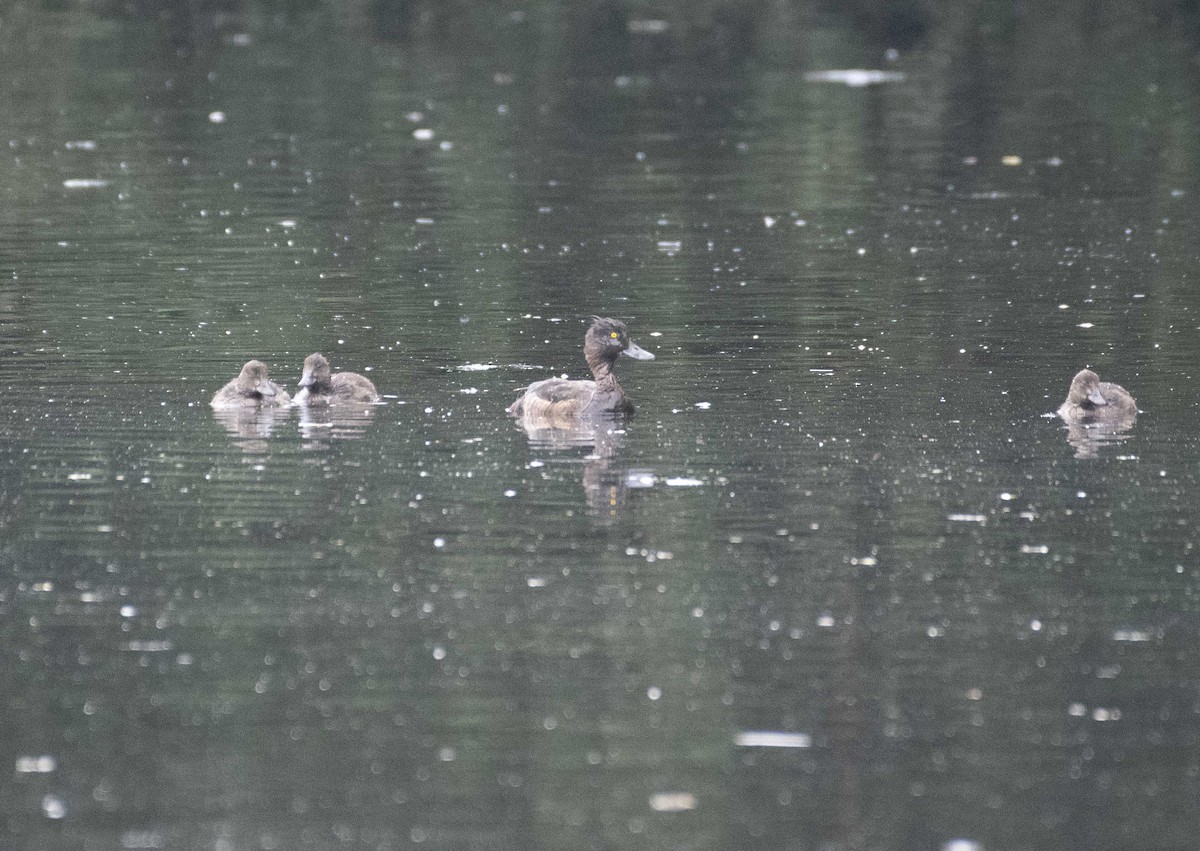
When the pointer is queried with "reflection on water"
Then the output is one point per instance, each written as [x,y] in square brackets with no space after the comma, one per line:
[606,482]
[251,426]
[1089,438]
[835,586]
[348,421]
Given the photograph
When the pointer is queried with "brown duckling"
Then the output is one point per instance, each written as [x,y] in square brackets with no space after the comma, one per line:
[557,399]
[1091,400]
[321,387]
[251,388]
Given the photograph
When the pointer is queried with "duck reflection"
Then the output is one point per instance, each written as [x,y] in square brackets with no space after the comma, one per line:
[319,426]
[606,484]
[1088,438]
[250,427]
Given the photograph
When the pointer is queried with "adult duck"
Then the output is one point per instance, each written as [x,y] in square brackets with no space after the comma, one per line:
[558,400]
[1091,400]
[252,388]
[320,386]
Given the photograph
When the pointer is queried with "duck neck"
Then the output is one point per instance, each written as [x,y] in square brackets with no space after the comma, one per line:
[602,372]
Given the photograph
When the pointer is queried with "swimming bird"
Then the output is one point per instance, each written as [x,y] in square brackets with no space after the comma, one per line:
[1091,400]
[321,387]
[559,401]
[251,388]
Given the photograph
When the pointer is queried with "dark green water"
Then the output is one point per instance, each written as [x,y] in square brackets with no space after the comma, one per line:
[841,512]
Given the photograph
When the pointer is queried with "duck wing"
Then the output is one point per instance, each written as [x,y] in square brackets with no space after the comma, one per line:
[352,387]
[555,397]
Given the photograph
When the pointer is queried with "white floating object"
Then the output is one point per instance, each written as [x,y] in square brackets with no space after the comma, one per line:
[704,406]
[1131,635]
[476,367]
[216,117]
[647,26]
[536,582]
[769,221]
[682,482]
[287,223]
[640,479]
[79,477]
[81,145]
[423,134]
[855,78]
[962,845]
[1035,549]
[967,518]
[148,646]
[44,764]
[672,802]
[772,739]
[53,807]
[84,183]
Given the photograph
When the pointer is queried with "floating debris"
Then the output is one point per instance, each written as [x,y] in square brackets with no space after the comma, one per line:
[216,117]
[44,764]
[772,739]
[1011,160]
[682,482]
[423,134]
[672,802]
[855,78]
[1035,549]
[53,807]
[148,646]
[84,183]
[966,518]
[1131,635]
[476,367]
[647,26]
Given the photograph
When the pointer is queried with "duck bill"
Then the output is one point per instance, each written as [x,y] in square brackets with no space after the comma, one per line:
[637,352]
[306,380]
[1096,399]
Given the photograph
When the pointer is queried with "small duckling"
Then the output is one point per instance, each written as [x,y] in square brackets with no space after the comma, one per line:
[320,387]
[557,401]
[1091,400]
[251,388]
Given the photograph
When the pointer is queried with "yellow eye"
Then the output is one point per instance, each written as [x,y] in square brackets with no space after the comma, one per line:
[614,335]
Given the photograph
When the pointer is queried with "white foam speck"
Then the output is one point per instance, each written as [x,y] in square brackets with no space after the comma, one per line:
[476,367]
[53,807]
[682,482]
[43,764]
[423,134]
[84,183]
[772,739]
[672,802]
[967,518]
[855,78]
[216,117]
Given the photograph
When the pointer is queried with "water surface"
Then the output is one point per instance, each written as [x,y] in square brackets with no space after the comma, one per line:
[840,583]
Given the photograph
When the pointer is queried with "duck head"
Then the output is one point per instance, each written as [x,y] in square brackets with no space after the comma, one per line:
[1085,390]
[608,339]
[316,371]
[253,380]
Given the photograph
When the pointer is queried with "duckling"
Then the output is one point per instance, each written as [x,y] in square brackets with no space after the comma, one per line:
[320,387]
[1091,400]
[557,400]
[251,388]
